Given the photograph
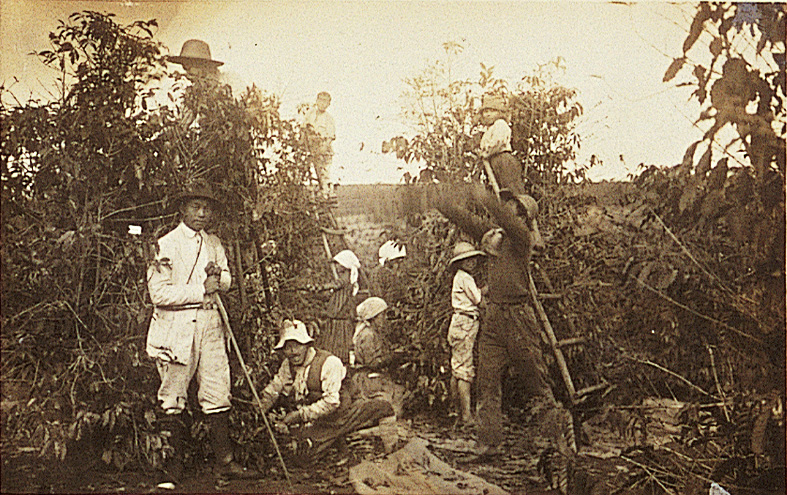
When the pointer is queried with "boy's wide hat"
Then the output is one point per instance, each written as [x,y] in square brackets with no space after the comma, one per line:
[464,250]
[293,330]
[195,52]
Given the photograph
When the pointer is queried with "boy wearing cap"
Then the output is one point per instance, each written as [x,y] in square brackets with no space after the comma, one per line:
[496,145]
[309,384]
[186,337]
[465,300]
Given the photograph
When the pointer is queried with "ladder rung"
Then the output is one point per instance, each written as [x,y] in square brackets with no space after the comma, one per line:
[571,341]
[333,231]
[591,389]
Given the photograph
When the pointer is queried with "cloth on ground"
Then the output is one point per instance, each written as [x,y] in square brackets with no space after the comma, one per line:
[414,470]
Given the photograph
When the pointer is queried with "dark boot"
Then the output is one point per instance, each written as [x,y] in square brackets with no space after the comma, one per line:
[172,427]
[226,467]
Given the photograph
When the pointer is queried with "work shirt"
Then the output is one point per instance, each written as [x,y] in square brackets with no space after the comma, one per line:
[176,285]
[369,347]
[324,125]
[496,139]
[294,385]
[465,294]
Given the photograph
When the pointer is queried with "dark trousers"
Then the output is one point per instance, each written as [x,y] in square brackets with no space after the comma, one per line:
[509,336]
[508,172]
[360,414]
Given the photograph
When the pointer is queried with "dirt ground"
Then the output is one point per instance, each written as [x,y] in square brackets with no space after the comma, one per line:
[605,466]
[517,471]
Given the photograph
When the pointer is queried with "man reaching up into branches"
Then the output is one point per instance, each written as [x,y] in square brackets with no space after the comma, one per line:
[511,333]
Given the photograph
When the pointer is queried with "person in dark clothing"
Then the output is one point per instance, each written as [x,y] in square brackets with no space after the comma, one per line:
[510,333]
[338,324]
[309,384]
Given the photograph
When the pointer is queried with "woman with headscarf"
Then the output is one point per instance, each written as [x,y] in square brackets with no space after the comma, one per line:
[337,329]
[372,356]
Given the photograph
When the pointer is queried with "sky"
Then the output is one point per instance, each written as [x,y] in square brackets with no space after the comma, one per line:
[615,55]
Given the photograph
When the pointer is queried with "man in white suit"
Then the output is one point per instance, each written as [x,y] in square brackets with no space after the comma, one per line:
[186,337]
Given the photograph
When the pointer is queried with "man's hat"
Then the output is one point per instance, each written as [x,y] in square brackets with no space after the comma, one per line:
[525,200]
[464,250]
[493,102]
[195,52]
[197,190]
[293,330]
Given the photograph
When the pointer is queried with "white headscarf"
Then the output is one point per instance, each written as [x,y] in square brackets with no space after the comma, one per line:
[348,260]
[367,310]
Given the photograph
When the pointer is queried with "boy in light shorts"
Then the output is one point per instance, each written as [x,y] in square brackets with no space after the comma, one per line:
[465,300]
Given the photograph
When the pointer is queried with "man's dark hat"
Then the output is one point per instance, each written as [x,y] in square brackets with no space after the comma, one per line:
[195,52]
[197,190]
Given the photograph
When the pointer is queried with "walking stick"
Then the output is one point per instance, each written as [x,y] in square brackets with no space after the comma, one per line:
[226,320]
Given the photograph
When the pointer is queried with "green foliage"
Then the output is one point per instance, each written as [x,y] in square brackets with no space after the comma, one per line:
[444,111]
[76,172]
[742,89]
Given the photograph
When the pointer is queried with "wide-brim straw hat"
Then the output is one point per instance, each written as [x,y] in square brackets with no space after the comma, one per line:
[195,52]
[294,330]
[464,250]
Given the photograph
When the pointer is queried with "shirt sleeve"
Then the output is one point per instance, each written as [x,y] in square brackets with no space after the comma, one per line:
[332,374]
[275,386]
[330,127]
[514,227]
[161,283]
[471,289]
[469,223]
[221,260]
[496,139]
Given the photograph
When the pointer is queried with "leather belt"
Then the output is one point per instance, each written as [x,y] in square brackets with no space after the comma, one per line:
[184,307]
[465,313]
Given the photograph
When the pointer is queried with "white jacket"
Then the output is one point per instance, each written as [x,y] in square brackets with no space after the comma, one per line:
[176,279]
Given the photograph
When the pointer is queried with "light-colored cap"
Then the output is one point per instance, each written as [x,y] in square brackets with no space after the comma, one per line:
[391,250]
[490,243]
[493,102]
[370,308]
[464,250]
[293,330]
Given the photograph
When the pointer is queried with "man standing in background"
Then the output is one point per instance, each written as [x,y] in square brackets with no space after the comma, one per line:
[320,134]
